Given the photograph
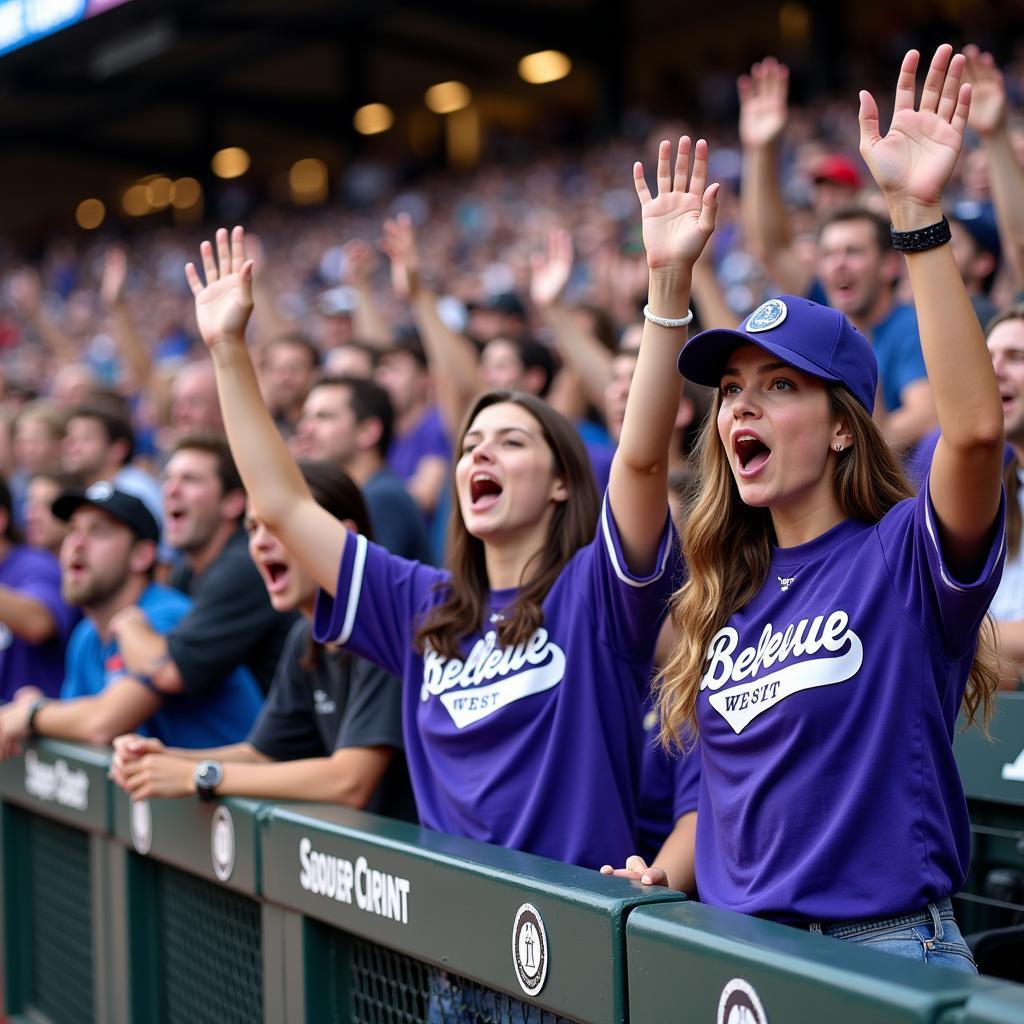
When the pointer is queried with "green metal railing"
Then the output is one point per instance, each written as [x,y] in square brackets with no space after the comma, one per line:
[242,911]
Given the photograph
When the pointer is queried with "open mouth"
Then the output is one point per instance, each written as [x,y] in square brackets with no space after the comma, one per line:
[483,489]
[751,451]
[276,574]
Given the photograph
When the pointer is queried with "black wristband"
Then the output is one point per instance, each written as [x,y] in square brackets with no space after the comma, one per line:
[924,238]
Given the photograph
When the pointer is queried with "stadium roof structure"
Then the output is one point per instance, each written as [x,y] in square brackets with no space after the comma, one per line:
[156,86]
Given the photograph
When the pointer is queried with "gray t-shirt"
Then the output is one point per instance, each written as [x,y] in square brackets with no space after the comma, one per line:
[341,701]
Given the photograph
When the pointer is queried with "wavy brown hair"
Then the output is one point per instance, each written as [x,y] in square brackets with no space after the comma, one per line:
[727,546]
[573,524]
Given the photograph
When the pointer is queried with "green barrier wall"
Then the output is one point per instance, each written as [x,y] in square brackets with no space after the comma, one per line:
[993,774]
[248,912]
[685,962]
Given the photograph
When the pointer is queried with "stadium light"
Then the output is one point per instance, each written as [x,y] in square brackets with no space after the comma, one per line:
[307,180]
[185,193]
[158,193]
[134,202]
[447,97]
[544,66]
[90,214]
[231,162]
[373,119]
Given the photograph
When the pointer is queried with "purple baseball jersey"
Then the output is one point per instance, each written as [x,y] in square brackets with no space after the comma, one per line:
[534,747]
[827,709]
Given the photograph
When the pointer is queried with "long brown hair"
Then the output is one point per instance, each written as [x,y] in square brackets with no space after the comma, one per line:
[727,546]
[572,526]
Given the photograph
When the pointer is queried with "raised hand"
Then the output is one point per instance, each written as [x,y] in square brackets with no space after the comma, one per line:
[913,161]
[224,304]
[988,91]
[550,274]
[399,245]
[115,272]
[679,220]
[360,263]
[764,107]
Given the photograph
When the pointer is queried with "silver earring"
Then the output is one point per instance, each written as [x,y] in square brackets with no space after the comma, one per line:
[839,447]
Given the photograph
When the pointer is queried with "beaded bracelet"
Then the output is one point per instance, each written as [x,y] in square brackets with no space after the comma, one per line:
[664,321]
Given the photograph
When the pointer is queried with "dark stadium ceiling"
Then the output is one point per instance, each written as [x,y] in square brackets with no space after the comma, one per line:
[157,86]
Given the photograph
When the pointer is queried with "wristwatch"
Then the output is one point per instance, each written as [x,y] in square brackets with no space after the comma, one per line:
[37,705]
[208,776]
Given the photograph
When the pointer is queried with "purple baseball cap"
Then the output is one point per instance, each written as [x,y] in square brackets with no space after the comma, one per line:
[814,338]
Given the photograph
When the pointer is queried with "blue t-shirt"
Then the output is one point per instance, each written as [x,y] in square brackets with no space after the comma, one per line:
[827,709]
[34,573]
[536,747]
[223,714]
[897,346]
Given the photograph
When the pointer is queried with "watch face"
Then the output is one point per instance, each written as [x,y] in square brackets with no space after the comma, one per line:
[208,775]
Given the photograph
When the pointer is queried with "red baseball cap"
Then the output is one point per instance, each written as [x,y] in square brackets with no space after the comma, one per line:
[838,170]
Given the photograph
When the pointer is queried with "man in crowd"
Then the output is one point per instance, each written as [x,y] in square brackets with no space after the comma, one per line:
[348,421]
[231,621]
[288,367]
[107,563]
[99,444]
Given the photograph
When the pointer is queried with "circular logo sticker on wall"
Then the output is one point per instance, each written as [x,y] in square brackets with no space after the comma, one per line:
[222,843]
[141,821]
[740,1004]
[530,949]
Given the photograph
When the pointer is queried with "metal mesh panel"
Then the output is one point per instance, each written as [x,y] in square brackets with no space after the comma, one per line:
[60,916]
[389,988]
[210,952]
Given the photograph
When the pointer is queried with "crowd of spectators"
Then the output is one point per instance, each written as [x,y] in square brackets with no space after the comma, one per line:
[378,317]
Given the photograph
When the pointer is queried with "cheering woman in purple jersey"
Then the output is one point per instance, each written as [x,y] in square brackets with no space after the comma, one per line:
[524,665]
[830,622]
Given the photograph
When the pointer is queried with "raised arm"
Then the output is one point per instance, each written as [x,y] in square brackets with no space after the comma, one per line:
[130,346]
[453,359]
[369,324]
[764,111]
[581,352]
[278,495]
[988,119]
[677,223]
[912,164]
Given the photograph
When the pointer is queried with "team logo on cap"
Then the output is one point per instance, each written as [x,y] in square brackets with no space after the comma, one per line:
[102,490]
[768,315]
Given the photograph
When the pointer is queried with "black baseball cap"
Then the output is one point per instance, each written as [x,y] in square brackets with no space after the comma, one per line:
[124,507]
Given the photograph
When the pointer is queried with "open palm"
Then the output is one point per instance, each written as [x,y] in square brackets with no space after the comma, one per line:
[679,220]
[224,303]
[913,162]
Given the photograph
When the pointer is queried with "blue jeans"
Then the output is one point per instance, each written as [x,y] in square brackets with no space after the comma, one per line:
[930,935]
